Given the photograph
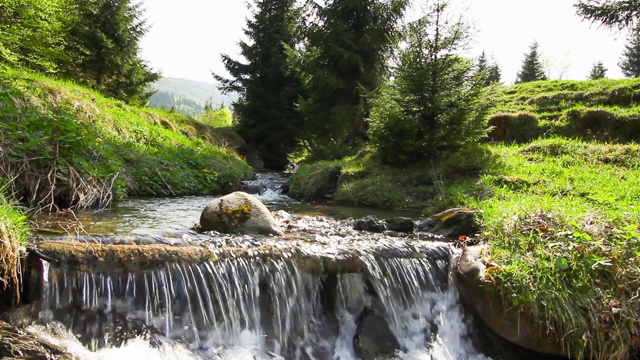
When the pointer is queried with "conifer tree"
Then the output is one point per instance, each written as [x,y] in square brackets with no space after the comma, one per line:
[268,84]
[345,59]
[532,68]
[103,40]
[614,13]
[490,74]
[598,71]
[434,105]
[630,63]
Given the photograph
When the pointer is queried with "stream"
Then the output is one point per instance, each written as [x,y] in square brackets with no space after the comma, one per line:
[403,304]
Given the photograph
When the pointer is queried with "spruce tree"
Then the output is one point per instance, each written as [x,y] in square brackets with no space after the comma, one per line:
[490,74]
[268,84]
[345,59]
[598,71]
[618,14]
[495,74]
[630,63]
[434,105]
[532,69]
[103,40]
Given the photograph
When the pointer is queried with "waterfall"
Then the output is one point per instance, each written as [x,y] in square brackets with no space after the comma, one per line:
[266,308]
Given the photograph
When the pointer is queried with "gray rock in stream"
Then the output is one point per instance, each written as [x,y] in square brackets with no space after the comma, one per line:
[239,213]
[370,224]
[374,339]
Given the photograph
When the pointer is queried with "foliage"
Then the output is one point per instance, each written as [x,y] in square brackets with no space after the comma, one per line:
[268,86]
[218,117]
[630,63]
[67,146]
[598,71]
[435,105]
[532,69]
[491,73]
[32,34]
[616,13]
[344,59]
[14,230]
[103,40]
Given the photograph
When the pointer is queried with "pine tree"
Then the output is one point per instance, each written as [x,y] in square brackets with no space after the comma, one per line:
[345,59]
[103,40]
[619,13]
[532,69]
[268,85]
[630,63]
[434,105]
[598,71]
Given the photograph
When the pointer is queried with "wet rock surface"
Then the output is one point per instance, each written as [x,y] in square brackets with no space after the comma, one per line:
[238,213]
[374,339]
[451,223]
[18,343]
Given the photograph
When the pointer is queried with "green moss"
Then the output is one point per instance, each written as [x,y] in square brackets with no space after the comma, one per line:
[70,146]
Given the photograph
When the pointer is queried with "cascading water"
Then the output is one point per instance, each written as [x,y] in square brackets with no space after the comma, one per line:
[389,295]
[265,308]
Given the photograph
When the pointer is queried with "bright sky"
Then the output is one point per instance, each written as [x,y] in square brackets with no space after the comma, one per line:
[187,37]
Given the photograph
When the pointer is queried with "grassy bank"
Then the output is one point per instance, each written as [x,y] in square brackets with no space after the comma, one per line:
[13,236]
[560,214]
[65,145]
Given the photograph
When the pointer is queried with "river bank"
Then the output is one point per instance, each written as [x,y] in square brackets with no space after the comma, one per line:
[67,147]
[556,194]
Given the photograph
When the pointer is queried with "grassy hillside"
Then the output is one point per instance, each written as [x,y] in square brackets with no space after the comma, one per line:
[67,146]
[557,199]
[605,110]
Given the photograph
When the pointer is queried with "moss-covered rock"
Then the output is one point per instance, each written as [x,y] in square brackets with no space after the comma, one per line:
[239,213]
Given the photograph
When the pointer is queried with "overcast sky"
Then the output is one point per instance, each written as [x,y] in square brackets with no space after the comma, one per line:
[187,37]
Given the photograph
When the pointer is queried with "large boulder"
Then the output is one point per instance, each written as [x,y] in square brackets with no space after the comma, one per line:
[238,213]
[451,223]
[480,297]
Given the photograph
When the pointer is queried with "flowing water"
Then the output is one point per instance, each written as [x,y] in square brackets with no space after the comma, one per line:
[262,307]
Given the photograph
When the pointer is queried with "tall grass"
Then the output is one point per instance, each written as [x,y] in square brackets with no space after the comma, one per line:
[13,235]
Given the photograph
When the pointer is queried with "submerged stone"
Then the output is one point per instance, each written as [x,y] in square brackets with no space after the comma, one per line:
[239,213]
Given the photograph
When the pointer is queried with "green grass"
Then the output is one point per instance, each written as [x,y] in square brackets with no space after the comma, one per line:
[66,145]
[14,230]
[560,218]
[604,110]
[562,229]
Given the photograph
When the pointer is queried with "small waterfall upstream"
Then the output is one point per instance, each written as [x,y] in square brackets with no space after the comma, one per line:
[390,295]
[267,309]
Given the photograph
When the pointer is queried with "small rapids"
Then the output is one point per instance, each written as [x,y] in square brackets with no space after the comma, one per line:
[393,295]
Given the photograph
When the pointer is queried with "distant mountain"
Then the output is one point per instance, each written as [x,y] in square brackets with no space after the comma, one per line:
[186,96]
